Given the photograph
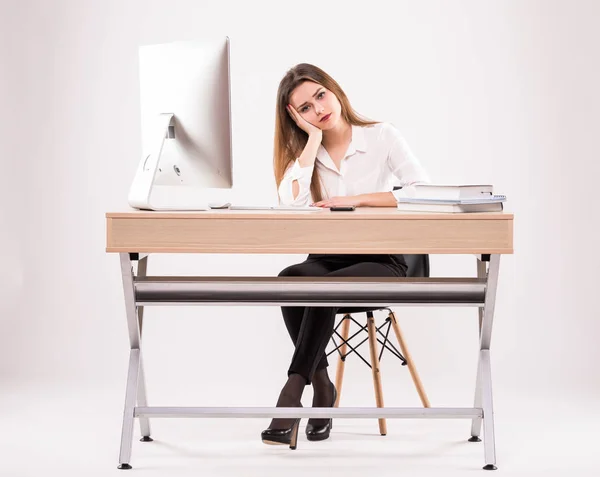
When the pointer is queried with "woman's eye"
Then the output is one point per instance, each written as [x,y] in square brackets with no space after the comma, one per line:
[321,94]
[304,109]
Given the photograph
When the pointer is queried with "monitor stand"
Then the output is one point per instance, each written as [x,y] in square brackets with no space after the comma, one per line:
[140,193]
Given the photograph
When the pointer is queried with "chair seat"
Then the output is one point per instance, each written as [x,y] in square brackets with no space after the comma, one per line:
[349,310]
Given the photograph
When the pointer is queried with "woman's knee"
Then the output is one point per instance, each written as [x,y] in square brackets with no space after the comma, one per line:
[304,269]
[294,271]
[291,271]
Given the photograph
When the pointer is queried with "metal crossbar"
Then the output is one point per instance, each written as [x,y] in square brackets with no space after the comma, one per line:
[385,344]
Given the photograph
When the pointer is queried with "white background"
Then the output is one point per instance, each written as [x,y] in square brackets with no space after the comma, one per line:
[502,92]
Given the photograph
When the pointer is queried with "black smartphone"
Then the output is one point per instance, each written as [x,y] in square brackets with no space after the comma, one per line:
[342,208]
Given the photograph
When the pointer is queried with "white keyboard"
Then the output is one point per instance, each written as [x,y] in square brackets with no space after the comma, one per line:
[276,207]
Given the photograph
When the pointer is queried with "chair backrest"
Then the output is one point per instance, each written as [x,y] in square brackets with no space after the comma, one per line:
[418,265]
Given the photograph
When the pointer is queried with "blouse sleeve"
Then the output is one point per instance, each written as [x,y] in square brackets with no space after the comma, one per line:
[303,175]
[405,166]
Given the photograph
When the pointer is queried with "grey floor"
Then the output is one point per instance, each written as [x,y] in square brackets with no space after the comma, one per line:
[75,432]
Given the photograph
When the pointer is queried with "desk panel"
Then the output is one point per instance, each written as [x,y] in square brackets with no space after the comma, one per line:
[365,231]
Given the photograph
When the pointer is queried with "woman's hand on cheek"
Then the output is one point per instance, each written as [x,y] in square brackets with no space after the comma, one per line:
[302,123]
[337,201]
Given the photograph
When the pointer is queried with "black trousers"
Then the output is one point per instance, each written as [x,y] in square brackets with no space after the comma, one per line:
[311,327]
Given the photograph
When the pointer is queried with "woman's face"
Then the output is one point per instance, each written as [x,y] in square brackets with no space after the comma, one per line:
[317,105]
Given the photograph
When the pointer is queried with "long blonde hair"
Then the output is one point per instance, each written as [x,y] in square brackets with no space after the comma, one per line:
[289,138]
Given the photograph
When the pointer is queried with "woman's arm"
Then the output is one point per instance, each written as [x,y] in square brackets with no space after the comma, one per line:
[403,164]
[376,199]
[307,158]
[294,188]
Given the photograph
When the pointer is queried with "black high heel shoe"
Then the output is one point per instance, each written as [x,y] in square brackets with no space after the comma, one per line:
[320,433]
[287,436]
[290,396]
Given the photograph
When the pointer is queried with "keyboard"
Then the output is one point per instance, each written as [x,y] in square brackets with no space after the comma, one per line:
[276,207]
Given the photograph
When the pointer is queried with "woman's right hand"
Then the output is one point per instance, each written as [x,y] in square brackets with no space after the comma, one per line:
[303,123]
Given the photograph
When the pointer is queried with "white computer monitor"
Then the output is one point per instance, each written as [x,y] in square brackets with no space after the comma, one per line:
[185,94]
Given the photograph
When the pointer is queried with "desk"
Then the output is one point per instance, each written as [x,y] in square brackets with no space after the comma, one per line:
[136,234]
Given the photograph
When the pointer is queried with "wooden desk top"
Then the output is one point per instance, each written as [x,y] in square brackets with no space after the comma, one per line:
[366,230]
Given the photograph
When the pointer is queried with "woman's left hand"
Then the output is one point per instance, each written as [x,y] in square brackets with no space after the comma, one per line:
[337,201]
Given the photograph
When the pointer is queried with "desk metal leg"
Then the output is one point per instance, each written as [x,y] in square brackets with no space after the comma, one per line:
[131,394]
[128,412]
[481,273]
[476,424]
[483,387]
[141,390]
[489,441]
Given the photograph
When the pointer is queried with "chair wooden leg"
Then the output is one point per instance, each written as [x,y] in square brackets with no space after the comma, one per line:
[376,372]
[339,374]
[409,362]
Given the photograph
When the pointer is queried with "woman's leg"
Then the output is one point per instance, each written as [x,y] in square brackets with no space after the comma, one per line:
[293,315]
[317,323]
[315,333]
[312,332]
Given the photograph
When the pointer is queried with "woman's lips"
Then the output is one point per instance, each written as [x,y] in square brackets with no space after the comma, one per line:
[325,118]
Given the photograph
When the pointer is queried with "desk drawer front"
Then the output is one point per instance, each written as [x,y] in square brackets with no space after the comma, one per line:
[218,235]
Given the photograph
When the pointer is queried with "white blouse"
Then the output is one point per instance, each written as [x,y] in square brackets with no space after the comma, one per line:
[377,159]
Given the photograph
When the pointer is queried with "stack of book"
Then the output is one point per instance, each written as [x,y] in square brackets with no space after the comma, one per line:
[451,198]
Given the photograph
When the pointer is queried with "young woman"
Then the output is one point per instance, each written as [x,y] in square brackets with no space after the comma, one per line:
[327,155]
